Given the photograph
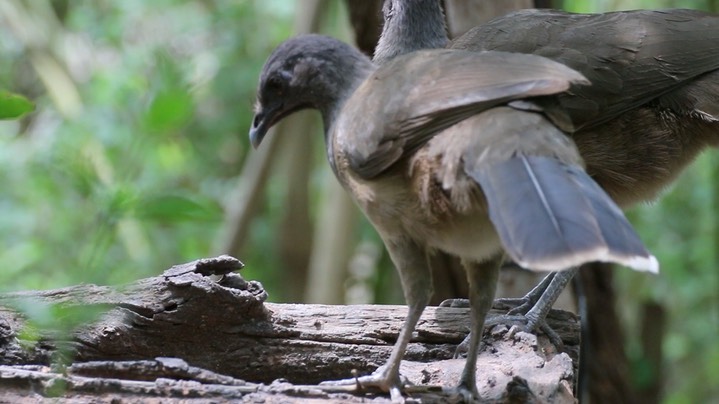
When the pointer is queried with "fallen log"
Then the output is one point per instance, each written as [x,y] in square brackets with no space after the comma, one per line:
[183,334]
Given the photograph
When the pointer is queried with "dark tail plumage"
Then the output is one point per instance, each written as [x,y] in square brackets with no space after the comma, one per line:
[551,215]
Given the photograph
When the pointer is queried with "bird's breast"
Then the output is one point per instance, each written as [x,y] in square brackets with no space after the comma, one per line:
[406,202]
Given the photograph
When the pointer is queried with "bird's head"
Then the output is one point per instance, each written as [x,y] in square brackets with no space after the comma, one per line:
[308,71]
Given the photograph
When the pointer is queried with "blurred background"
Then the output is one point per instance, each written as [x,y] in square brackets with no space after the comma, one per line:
[136,158]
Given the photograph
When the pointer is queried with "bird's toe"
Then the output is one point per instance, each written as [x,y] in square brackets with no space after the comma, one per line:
[381,380]
[460,303]
[463,394]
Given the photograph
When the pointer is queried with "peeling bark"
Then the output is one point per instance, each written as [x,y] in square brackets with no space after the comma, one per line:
[182,334]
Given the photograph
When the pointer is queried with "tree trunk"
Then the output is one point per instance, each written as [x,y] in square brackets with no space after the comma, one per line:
[654,319]
[333,246]
[605,365]
[366,20]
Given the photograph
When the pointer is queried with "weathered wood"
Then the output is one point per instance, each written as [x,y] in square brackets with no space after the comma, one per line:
[227,331]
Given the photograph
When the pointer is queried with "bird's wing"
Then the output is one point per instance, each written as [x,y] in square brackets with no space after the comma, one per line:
[406,102]
[631,58]
[548,213]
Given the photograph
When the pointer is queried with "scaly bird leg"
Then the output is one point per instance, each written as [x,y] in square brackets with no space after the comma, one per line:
[535,317]
[521,304]
[482,280]
[525,303]
[412,265]
[532,311]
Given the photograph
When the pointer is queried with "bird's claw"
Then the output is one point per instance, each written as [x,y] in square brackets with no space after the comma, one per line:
[462,394]
[524,323]
[380,379]
[463,348]
[520,305]
[455,303]
[515,323]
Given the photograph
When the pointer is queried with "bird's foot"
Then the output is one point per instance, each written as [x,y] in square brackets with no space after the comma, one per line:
[519,305]
[460,303]
[462,394]
[516,323]
[516,318]
[381,380]
[523,305]
[526,323]
[463,348]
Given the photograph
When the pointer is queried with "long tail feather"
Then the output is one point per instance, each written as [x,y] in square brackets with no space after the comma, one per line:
[551,216]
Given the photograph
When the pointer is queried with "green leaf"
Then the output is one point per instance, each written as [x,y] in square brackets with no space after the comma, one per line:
[175,208]
[14,106]
[169,110]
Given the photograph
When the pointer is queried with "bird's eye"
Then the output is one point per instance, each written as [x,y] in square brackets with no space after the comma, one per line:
[274,84]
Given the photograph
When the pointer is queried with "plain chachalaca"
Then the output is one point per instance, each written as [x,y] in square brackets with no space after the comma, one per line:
[652,106]
[456,152]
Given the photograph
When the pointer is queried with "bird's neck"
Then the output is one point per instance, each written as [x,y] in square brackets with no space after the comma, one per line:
[412,25]
[353,75]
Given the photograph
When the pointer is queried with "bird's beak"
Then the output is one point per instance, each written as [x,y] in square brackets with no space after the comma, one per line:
[266,117]
[261,123]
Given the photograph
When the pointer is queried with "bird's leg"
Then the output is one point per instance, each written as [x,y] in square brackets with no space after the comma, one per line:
[538,313]
[531,314]
[520,304]
[412,265]
[534,318]
[482,280]
[524,304]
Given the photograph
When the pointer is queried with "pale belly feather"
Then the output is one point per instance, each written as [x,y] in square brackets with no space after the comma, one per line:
[469,235]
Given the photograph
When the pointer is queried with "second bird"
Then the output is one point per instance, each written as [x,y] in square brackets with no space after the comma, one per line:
[653,104]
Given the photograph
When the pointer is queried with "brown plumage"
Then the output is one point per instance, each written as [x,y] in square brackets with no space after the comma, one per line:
[654,100]
[456,152]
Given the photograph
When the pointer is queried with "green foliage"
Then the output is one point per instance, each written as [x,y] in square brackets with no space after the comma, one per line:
[129,177]
[14,106]
[56,319]
[141,112]
[174,208]
[172,105]
[57,322]
[139,131]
